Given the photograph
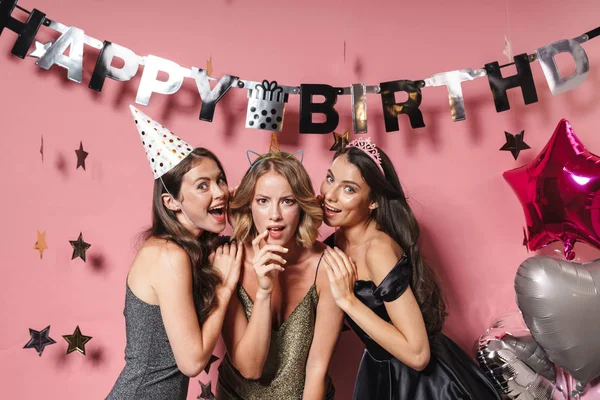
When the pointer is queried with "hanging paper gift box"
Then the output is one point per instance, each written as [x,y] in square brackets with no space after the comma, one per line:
[266,106]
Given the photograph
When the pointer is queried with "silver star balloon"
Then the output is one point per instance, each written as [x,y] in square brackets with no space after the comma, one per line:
[40,49]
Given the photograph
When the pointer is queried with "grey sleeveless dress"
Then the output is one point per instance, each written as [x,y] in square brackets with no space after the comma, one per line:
[150,371]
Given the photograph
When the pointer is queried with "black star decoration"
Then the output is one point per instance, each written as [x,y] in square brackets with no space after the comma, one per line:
[79,247]
[340,140]
[206,393]
[213,358]
[81,156]
[39,340]
[514,143]
[77,341]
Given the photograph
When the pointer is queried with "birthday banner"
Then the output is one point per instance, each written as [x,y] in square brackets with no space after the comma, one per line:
[267,99]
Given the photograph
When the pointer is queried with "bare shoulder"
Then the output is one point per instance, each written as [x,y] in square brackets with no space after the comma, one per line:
[381,255]
[164,257]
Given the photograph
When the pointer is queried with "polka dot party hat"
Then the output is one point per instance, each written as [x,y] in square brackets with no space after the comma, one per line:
[163,148]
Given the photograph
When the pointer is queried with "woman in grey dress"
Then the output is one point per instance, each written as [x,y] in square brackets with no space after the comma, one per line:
[175,300]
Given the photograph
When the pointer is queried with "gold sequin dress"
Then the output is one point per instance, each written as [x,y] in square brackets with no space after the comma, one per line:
[285,368]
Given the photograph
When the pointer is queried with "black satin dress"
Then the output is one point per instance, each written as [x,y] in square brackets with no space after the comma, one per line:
[450,374]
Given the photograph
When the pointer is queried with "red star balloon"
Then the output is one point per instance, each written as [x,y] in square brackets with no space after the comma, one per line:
[560,193]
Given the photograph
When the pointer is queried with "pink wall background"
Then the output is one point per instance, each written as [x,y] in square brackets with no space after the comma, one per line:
[472,222]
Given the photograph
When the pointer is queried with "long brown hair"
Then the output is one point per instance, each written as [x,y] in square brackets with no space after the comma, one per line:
[394,217]
[166,226]
[311,215]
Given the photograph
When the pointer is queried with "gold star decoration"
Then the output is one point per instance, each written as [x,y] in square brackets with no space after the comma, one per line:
[77,341]
[79,247]
[341,141]
[209,67]
[41,244]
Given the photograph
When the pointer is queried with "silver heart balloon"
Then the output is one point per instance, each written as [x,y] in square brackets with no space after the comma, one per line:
[532,354]
[560,302]
[511,375]
[514,361]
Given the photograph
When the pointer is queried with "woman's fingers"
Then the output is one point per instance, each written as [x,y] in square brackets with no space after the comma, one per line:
[320,199]
[335,269]
[225,249]
[339,261]
[270,257]
[345,260]
[265,269]
[329,271]
[270,248]
[257,239]
[239,253]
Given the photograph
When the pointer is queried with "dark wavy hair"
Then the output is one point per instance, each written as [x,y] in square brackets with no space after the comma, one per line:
[394,217]
[166,226]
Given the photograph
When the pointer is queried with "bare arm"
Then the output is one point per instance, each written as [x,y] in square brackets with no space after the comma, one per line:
[248,341]
[327,330]
[192,345]
[406,338]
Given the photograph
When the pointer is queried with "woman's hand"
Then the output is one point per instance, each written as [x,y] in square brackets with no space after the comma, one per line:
[266,262]
[342,274]
[227,259]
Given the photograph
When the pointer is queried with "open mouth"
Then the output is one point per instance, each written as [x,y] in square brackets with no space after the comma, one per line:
[334,210]
[276,231]
[217,211]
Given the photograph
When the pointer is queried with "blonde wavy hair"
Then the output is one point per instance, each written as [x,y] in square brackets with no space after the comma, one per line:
[311,214]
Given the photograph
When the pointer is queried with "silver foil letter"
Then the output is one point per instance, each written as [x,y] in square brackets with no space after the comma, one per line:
[104,69]
[453,80]
[209,97]
[74,38]
[359,107]
[149,84]
[557,83]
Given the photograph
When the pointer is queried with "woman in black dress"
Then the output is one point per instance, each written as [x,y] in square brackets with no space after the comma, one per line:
[390,296]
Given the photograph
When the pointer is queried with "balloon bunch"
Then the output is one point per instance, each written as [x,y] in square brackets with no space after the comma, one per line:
[557,354]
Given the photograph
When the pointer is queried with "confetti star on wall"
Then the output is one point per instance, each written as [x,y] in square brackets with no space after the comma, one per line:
[340,141]
[39,340]
[41,244]
[79,247]
[206,393]
[40,49]
[77,341]
[81,156]
[514,143]
[213,358]
[209,66]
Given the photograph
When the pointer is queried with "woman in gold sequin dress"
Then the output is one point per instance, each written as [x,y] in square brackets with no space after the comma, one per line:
[281,329]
